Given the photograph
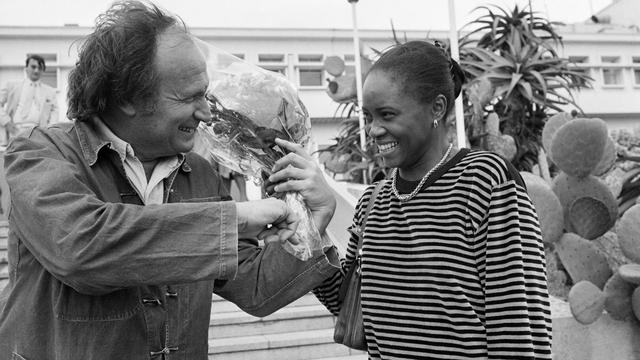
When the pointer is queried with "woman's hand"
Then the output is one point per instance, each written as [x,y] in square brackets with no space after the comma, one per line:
[297,171]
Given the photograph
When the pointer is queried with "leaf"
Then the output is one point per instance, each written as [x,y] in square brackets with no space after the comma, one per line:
[514,81]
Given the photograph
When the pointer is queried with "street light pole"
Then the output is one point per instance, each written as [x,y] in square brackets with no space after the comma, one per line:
[455,55]
[356,47]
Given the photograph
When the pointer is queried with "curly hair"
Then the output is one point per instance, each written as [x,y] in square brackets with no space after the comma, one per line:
[116,61]
[425,70]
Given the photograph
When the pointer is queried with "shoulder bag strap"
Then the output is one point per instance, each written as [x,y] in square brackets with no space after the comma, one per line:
[355,266]
[372,200]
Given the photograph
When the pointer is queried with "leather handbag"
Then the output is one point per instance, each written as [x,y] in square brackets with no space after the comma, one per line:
[349,329]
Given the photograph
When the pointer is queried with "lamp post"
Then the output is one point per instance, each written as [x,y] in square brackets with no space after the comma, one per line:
[356,47]
[455,55]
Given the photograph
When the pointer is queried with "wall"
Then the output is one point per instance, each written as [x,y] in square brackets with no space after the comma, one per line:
[582,40]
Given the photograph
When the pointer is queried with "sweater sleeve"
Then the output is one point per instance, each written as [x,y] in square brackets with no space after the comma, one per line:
[518,318]
[327,293]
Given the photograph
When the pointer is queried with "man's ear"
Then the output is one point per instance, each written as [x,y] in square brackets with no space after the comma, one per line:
[128,109]
[439,107]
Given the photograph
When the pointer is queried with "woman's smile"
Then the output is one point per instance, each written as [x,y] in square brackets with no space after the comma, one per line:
[387,147]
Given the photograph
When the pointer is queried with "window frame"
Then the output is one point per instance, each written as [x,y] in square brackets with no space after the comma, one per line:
[612,63]
[310,62]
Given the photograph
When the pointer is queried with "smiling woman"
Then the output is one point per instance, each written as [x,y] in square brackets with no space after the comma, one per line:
[452,262]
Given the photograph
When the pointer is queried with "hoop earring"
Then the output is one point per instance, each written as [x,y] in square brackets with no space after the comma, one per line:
[435,124]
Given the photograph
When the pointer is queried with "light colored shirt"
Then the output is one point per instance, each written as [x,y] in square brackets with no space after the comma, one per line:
[28,110]
[150,191]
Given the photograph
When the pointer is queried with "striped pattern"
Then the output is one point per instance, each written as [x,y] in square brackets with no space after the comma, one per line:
[458,272]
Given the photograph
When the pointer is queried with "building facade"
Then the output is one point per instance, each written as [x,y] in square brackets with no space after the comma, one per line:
[609,54]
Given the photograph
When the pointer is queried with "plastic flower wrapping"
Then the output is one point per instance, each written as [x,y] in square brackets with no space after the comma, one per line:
[251,107]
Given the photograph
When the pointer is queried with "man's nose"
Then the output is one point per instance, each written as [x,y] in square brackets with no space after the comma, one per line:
[203,112]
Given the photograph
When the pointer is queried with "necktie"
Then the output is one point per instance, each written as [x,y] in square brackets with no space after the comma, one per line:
[31,94]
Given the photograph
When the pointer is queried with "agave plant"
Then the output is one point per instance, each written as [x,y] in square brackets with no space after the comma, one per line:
[347,157]
[526,75]
[499,29]
[514,52]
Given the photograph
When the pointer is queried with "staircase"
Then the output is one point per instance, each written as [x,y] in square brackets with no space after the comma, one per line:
[303,330]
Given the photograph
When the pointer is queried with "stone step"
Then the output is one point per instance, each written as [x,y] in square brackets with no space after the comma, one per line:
[4,231]
[287,319]
[4,271]
[298,345]
[221,305]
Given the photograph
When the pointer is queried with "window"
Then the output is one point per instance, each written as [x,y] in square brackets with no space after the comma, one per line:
[636,70]
[277,69]
[239,56]
[271,58]
[310,71]
[273,62]
[584,71]
[578,64]
[349,58]
[309,58]
[311,77]
[579,59]
[611,75]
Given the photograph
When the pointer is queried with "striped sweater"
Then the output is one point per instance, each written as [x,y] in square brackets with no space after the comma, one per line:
[457,272]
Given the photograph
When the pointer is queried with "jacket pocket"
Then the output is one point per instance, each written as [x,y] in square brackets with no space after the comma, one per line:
[118,305]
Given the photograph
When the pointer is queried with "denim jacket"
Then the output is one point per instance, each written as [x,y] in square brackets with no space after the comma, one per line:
[95,275]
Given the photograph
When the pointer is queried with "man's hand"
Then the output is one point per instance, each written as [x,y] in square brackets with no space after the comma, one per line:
[269,220]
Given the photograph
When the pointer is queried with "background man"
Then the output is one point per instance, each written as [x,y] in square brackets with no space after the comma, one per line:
[27,103]
[118,233]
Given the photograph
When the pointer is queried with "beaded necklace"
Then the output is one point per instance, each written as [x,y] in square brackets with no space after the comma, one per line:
[407,197]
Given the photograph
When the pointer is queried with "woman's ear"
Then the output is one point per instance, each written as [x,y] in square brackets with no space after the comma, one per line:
[439,107]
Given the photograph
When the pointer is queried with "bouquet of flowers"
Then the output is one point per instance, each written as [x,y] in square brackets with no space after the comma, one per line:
[251,107]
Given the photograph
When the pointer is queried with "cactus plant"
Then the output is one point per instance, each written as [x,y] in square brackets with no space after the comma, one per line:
[608,158]
[635,302]
[594,252]
[548,207]
[582,260]
[630,273]
[586,302]
[589,217]
[551,127]
[497,142]
[578,145]
[569,189]
[629,233]
[618,297]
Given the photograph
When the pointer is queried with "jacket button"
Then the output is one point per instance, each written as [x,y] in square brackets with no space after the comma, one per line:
[151,302]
